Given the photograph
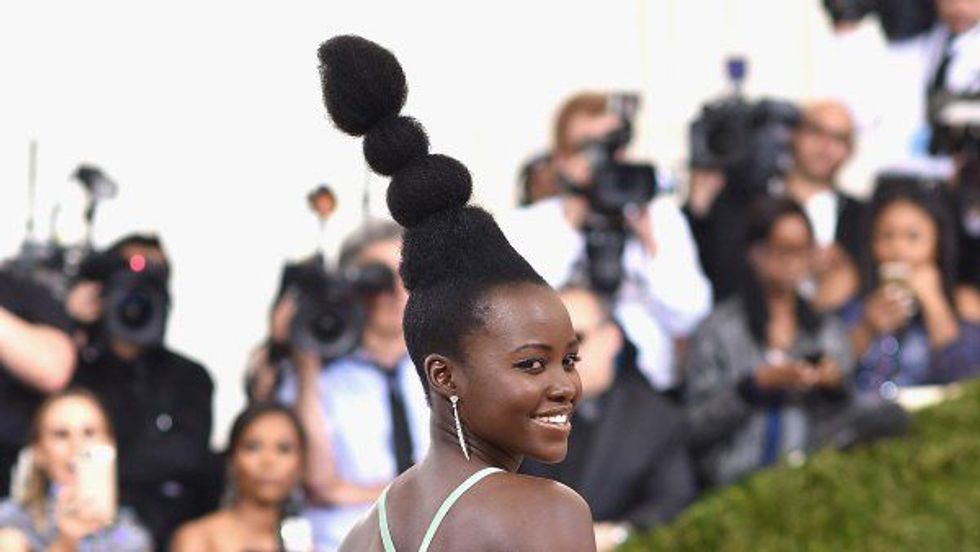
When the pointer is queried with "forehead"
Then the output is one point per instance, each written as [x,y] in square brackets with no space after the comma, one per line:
[387,251]
[901,213]
[71,410]
[521,314]
[272,424]
[790,228]
[830,115]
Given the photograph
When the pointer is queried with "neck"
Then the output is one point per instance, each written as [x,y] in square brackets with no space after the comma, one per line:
[780,300]
[445,451]
[386,349]
[258,516]
[801,187]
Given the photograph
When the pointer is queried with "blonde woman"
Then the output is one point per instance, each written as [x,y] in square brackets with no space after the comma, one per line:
[54,507]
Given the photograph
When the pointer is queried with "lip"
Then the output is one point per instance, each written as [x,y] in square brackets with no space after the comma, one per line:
[563,429]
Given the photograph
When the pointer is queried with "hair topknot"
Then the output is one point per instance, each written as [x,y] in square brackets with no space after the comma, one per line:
[362,83]
[394,143]
[430,185]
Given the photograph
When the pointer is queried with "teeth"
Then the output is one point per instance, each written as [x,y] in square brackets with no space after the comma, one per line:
[557,420]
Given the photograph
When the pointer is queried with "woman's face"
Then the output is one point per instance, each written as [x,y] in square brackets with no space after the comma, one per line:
[784,260]
[519,385]
[267,463]
[67,427]
[904,233]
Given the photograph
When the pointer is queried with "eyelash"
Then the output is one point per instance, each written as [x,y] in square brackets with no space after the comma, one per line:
[529,365]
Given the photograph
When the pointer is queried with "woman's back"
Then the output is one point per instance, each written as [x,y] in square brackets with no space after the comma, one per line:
[500,511]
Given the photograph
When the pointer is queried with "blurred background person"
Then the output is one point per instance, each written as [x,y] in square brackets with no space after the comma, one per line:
[610,230]
[158,400]
[54,508]
[364,412]
[821,144]
[627,451]
[906,331]
[266,451]
[36,358]
[764,367]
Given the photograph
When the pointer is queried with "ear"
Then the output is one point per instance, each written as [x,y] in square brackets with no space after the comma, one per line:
[440,372]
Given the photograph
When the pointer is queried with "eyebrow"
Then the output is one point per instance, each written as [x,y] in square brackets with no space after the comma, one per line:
[544,346]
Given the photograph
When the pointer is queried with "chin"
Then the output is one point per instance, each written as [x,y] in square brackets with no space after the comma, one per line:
[552,455]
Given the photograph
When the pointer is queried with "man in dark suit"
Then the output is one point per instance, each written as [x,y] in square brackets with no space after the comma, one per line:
[627,454]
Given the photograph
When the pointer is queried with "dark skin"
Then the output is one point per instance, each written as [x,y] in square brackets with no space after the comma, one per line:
[519,366]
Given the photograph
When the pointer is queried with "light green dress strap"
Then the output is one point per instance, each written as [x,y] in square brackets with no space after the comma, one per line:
[383,522]
[389,545]
[448,503]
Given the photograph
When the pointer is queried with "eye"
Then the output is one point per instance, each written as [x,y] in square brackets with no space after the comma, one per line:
[251,446]
[532,365]
[285,448]
[570,361]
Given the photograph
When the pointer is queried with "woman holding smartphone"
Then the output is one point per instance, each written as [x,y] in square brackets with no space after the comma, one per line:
[906,331]
[265,465]
[64,496]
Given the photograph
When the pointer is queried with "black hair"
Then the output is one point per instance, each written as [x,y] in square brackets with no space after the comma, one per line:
[257,410]
[453,254]
[930,199]
[763,215]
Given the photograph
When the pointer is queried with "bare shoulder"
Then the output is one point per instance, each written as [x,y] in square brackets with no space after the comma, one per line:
[364,536]
[11,540]
[531,513]
[197,535]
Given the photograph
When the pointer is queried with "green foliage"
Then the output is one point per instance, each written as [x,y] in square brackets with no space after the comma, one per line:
[919,492]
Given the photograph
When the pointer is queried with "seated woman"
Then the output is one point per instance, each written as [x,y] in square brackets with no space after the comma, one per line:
[492,343]
[51,508]
[265,464]
[906,331]
[765,371]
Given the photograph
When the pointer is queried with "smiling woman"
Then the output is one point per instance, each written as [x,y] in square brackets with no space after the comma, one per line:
[492,343]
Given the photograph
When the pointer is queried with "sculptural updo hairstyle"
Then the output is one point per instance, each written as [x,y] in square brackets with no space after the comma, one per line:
[453,254]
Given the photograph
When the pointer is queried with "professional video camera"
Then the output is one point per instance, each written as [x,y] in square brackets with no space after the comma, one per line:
[616,186]
[900,19]
[749,142]
[331,313]
[135,298]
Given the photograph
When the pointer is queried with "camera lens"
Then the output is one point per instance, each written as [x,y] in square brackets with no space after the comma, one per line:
[327,327]
[135,310]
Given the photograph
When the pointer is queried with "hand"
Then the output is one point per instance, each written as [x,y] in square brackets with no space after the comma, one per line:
[575,169]
[705,186]
[927,282]
[790,375]
[281,321]
[888,308]
[84,301]
[608,536]
[576,210]
[639,221]
[260,374]
[76,518]
[827,374]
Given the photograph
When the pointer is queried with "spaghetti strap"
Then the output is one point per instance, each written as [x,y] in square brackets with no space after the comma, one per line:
[389,545]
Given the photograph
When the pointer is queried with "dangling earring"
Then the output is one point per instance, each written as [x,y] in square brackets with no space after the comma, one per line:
[459,427]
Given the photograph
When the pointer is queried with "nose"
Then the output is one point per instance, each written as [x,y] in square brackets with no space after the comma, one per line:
[564,387]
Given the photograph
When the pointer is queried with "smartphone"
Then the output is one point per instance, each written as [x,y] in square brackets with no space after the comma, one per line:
[95,480]
[894,273]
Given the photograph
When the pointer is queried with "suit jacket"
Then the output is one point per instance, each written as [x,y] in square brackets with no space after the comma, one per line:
[634,464]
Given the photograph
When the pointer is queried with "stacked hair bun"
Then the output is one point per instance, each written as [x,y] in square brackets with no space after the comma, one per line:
[453,253]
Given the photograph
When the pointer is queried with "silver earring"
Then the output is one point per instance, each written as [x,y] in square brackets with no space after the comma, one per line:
[459,427]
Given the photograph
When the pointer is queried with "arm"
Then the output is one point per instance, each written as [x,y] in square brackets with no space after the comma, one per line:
[323,483]
[557,518]
[676,291]
[41,356]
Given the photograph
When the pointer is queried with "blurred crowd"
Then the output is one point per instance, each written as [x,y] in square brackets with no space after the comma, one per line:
[746,314]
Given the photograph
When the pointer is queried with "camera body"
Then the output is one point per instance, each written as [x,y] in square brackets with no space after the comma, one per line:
[900,19]
[331,312]
[749,142]
[136,302]
[616,186]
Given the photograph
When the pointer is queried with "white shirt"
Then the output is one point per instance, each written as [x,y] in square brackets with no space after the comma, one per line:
[354,396]
[886,85]
[661,298]
[821,210]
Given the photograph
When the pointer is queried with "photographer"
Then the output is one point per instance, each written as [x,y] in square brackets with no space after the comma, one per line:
[933,51]
[158,400]
[36,359]
[821,143]
[364,412]
[640,253]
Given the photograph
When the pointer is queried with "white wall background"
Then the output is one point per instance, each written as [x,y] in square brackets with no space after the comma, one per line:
[208,115]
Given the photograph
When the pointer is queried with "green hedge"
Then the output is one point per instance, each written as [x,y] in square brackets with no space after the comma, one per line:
[919,492]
